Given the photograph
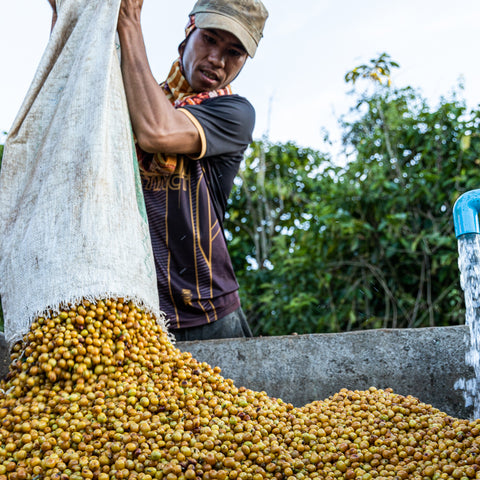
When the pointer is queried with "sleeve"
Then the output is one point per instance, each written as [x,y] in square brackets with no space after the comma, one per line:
[225,124]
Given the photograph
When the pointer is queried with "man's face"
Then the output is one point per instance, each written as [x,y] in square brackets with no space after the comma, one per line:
[211,59]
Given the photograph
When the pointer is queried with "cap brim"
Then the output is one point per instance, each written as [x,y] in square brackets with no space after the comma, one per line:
[222,22]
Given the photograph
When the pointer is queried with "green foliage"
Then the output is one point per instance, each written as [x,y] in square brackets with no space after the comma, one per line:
[269,208]
[323,248]
[378,70]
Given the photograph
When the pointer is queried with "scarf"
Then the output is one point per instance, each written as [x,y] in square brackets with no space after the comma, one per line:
[179,93]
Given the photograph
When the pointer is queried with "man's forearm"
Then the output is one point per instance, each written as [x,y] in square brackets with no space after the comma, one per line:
[144,96]
[157,125]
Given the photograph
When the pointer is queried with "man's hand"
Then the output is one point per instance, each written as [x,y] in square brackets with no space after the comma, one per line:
[130,11]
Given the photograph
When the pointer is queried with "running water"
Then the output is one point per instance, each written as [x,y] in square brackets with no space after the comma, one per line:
[469,265]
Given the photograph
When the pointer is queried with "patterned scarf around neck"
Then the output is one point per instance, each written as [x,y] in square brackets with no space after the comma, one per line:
[179,93]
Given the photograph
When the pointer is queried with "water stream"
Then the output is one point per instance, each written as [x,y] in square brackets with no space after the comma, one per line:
[469,265]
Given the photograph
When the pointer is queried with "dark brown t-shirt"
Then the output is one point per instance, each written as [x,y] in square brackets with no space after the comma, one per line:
[195,277]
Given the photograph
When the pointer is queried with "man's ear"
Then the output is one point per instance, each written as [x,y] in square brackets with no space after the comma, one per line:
[246,58]
[181,48]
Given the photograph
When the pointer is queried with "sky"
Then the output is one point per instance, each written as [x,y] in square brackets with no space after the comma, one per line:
[296,80]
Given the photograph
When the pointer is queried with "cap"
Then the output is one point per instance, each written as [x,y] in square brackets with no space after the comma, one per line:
[243,18]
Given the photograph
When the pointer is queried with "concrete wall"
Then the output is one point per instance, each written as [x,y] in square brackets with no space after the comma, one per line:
[424,363]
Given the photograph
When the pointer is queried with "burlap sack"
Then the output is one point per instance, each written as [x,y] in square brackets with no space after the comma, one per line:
[72,217]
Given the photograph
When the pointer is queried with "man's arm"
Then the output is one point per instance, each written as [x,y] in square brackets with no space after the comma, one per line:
[157,125]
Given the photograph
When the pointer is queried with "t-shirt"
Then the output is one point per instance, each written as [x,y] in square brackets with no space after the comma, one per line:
[195,277]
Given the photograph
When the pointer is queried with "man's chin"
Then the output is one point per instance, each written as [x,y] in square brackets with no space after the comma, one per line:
[206,86]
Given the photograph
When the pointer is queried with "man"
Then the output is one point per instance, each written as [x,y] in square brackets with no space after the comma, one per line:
[191,134]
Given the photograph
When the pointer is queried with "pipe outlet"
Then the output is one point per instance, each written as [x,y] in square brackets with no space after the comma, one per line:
[465,213]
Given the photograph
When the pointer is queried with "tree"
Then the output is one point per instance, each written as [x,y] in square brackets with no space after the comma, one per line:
[269,206]
[378,70]
[368,245]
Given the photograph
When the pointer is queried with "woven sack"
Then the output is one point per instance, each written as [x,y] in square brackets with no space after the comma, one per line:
[72,218]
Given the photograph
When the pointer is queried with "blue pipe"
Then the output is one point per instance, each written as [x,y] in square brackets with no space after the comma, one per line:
[465,213]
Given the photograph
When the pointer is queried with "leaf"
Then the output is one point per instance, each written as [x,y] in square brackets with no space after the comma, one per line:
[465,142]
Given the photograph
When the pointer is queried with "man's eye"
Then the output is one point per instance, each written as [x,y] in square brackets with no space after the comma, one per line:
[209,39]
[235,53]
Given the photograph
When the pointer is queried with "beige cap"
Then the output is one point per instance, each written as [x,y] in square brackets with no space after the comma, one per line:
[243,18]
